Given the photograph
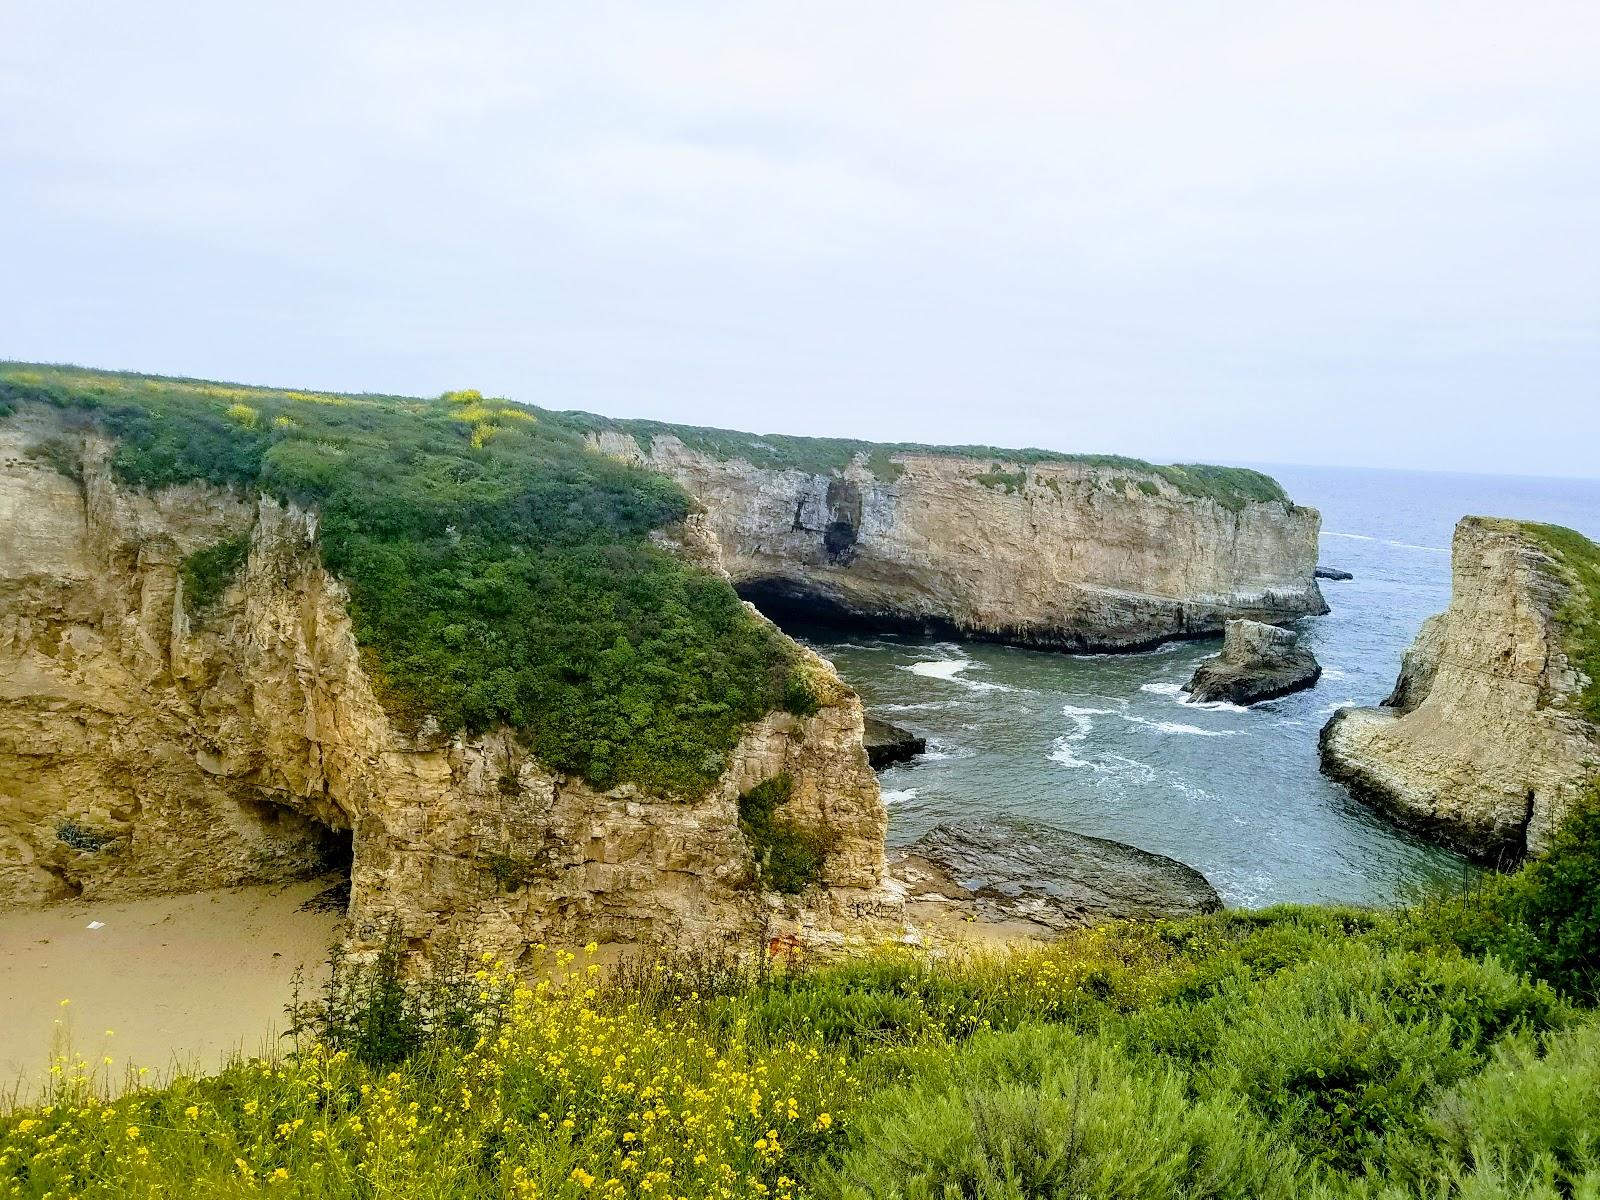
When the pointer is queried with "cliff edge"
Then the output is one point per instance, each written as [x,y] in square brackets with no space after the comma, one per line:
[153,739]
[1494,724]
[1072,552]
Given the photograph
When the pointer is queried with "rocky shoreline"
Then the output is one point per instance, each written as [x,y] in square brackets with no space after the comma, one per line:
[1028,872]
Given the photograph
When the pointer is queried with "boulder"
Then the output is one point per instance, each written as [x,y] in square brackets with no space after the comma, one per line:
[1025,871]
[1333,573]
[1258,662]
[889,744]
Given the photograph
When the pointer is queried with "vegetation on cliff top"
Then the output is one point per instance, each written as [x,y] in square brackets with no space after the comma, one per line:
[1232,487]
[1579,616]
[499,571]
[1298,1052]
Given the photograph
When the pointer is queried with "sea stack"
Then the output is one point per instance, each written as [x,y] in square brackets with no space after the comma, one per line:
[1491,731]
[1258,662]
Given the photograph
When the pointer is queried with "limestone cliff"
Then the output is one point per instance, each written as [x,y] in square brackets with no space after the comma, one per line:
[146,746]
[1483,743]
[1064,553]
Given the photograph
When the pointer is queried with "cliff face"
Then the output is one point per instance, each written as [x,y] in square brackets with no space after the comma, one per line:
[1057,554]
[147,747]
[1481,745]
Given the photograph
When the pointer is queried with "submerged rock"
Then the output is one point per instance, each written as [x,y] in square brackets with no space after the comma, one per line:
[889,744]
[1258,662]
[1024,871]
[1333,573]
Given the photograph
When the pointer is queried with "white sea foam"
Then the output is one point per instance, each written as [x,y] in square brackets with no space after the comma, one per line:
[1414,546]
[951,671]
[1174,691]
[1327,710]
[893,796]
[940,668]
[920,706]
[1213,705]
[1177,727]
[1061,751]
[1355,537]
[1072,710]
[939,751]
[1162,689]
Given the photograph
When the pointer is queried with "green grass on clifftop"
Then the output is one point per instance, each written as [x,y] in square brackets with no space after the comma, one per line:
[1232,487]
[499,571]
[1580,615]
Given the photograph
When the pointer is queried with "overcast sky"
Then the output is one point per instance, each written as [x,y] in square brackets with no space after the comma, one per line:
[1353,233]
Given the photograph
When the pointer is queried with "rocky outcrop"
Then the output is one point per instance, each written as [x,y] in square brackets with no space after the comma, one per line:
[1482,745]
[1258,662]
[1333,573]
[889,744]
[1063,553]
[148,747]
[1023,871]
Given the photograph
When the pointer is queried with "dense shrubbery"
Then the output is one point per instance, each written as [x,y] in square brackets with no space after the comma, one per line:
[1545,919]
[1295,1052]
[789,858]
[209,570]
[498,570]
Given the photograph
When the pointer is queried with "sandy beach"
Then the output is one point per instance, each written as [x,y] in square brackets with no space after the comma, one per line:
[164,982]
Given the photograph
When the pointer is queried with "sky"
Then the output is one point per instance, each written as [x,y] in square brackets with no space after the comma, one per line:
[1356,233]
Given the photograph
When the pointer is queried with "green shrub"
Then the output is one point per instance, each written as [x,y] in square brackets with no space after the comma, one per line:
[997,478]
[1345,1051]
[1037,1114]
[789,857]
[1532,1112]
[1554,905]
[61,454]
[208,571]
[1544,919]
[379,1014]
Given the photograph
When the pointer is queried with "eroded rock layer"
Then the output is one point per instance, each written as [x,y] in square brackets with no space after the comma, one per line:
[1482,744]
[1063,554]
[1012,870]
[148,747]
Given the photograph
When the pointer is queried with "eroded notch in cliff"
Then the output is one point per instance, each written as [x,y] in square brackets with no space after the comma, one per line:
[844,521]
[293,844]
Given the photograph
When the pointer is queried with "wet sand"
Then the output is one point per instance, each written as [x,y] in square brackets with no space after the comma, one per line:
[179,981]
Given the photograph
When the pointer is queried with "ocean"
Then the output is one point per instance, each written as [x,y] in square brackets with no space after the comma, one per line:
[1106,745]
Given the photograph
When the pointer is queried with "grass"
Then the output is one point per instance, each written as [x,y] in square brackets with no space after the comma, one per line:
[1579,616]
[1448,1049]
[1232,487]
[499,571]
[1293,1052]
